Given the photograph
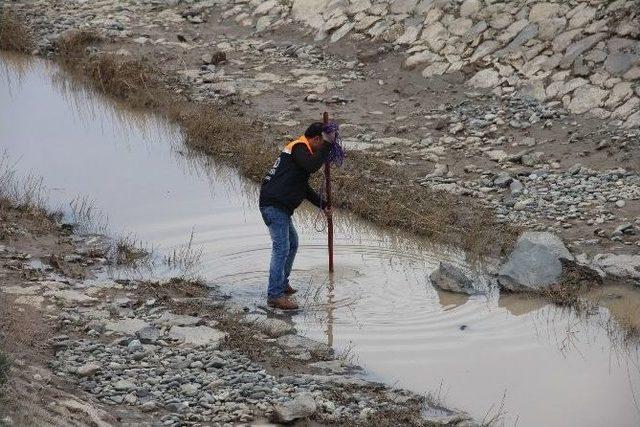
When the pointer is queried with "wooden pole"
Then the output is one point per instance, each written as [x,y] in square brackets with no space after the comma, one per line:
[327,185]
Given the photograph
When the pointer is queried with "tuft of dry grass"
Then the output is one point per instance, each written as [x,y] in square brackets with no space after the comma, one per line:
[14,35]
[127,251]
[576,279]
[74,43]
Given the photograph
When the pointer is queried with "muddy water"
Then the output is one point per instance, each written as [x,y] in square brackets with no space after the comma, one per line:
[543,366]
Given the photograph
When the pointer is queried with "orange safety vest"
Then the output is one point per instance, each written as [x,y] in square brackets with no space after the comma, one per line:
[302,140]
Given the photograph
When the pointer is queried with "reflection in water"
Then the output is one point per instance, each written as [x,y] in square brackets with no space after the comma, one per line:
[558,368]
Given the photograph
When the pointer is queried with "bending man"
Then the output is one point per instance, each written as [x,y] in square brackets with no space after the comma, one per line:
[282,191]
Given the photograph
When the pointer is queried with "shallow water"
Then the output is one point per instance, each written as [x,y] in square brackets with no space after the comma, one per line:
[544,365]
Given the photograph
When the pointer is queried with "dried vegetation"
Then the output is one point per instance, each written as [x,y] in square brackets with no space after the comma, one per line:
[14,36]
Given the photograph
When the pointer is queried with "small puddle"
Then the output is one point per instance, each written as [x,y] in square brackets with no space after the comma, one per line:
[544,366]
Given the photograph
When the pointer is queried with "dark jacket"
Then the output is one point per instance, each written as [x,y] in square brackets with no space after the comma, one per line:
[287,183]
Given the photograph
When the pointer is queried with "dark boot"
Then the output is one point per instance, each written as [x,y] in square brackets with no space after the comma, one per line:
[283,303]
[289,290]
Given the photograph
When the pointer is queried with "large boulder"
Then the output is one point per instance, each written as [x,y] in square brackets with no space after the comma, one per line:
[451,278]
[535,262]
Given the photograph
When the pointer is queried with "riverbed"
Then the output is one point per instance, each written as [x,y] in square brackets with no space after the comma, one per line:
[533,363]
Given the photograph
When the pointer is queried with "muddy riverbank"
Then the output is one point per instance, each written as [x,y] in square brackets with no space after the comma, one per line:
[380,306]
[97,352]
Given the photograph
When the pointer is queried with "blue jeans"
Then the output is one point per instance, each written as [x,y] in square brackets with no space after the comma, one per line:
[284,239]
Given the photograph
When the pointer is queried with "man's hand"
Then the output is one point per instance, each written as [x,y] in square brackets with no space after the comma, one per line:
[329,137]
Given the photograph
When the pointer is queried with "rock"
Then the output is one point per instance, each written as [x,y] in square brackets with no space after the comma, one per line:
[302,406]
[585,98]
[342,31]
[484,49]
[263,23]
[420,58]
[470,7]
[435,69]
[71,297]
[502,180]
[500,21]
[197,335]
[299,343]
[485,79]
[578,48]
[541,12]
[534,263]
[275,327]
[169,319]
[624,266]
[618,63]
[507,35]
[626,109]
[451,278]
[134,346]
[403,6]
[410,35]
[214,58]
[148,335]
[264,7]
[190,389]
[126,326]
[526,34]
[123,385]
[497,155]
[309,12]
[581,16]
[619,94]
[223,88]
[633,120]
[357,6]
[88,369]
[516,187]
[439,171]
[435,35]
[460,26]
[549,29]
[149,406]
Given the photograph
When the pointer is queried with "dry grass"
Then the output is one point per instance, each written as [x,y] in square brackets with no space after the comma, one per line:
[25,195]
[128,252]
[366,185]
[576,280]
[14,35]
[73,44]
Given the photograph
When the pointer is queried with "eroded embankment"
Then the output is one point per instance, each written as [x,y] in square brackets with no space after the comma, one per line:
[368,186]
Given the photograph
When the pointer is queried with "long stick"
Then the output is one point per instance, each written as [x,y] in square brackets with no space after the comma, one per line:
[327,185]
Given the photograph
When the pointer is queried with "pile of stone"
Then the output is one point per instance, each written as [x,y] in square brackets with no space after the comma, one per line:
[139,353]
[583,55]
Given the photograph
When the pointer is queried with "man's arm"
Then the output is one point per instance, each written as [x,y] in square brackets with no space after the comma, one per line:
[306,160]
[314,197]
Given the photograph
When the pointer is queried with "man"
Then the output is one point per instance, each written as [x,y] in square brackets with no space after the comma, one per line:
[282,191]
